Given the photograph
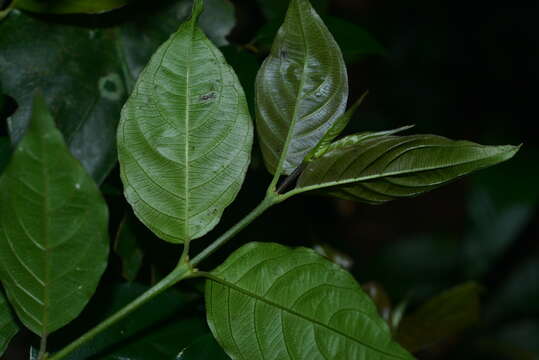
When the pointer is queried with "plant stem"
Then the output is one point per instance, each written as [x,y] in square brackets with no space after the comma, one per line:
[180,272]
[183,270]
[270,200]
[42,348]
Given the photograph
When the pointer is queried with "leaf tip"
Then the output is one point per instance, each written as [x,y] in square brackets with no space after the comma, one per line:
[41,119]
[198,8]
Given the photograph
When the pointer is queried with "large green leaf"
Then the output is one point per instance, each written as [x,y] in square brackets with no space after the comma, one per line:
[379,169]
[271,302]
[70,6]
[441,317]
[80,75]
[53,229]
[86,73]
[8,327]
[185,137]
[301,89]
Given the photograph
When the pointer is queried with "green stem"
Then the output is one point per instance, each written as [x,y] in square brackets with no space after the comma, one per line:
[270,200]
[42,348]
[182,271]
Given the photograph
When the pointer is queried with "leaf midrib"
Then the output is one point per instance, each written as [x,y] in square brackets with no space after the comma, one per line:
[295,313]
[291,130]
[46,207]
[383,175]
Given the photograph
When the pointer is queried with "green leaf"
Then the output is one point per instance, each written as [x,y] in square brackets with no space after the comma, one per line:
[301,89]
[8,327]
[81,77]
[87,73]
[53,229]
[140,37]
[354,41]
[441,317]
[127,248]
[266,297]
[325,144]
[381,169]
[217,20]
[70,6]
[185,137]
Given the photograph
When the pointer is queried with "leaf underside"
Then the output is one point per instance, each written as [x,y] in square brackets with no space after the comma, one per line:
[301,89]
[8,327]
[385,168]
[53,229]
[184,138]
[271,302]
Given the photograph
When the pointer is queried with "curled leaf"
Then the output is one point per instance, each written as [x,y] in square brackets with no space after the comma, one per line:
[383,168]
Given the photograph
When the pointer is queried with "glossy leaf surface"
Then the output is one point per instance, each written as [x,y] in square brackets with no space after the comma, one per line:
[58,58]
[53,229]
[441,317]
[271,302]
[70,6]
[301,89]
[81,77]
[385,168]
[8,327]
[185,137]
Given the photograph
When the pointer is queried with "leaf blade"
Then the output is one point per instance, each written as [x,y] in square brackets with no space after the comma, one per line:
[47,239]
[301,89]
[168,184]
[266,295]
[8,327]
[384,168]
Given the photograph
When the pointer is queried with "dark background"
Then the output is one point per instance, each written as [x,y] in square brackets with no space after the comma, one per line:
[456,69]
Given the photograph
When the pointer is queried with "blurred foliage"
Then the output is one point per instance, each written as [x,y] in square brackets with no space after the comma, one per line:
[465,73]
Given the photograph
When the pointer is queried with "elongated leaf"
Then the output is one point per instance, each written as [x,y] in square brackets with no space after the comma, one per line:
[8,327]
[271,302]
[70,6]
[441,317]
[185,137]
[87,73]
[385,168]
[53,229]
[301,89]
